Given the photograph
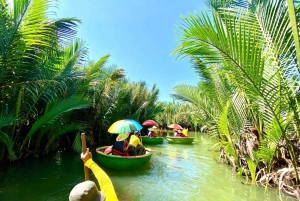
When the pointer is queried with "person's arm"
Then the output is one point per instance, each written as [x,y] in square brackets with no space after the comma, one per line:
[104,181]
[139,142]
[126,147]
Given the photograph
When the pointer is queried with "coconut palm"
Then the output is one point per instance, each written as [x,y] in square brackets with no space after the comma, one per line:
[33,75]
[134,100]
[98,84]
[255,46]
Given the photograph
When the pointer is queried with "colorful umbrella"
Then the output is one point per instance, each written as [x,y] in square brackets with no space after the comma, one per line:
[149,123]
[176,126]
[124,126]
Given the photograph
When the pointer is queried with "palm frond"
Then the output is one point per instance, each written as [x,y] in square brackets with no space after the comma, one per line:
[55,112]
[77,143]
[9,143]
[6,119]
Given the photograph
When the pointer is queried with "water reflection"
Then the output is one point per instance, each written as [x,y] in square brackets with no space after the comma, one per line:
[175,172]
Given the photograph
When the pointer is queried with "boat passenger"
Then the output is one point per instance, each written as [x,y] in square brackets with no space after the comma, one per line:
[179,133]
[119,146]
[151,133]
[87,190]
[161,132]
[135,146]
[175,132]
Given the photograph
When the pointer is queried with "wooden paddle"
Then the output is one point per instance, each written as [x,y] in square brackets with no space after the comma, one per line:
[86,169]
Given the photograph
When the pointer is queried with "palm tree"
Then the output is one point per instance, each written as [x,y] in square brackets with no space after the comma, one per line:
[32,77]
[254,45]
[98,84]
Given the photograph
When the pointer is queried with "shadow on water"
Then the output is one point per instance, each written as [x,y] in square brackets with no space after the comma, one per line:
[175,172]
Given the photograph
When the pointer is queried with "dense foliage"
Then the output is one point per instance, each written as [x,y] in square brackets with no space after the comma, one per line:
[248,53]
[50,90]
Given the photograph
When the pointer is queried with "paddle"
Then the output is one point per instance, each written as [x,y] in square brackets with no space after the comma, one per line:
[86,169]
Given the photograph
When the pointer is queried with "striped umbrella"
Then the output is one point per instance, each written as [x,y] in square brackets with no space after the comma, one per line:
[124,126]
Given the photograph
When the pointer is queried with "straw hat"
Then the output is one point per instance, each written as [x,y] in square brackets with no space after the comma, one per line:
[122,137]
[86,191]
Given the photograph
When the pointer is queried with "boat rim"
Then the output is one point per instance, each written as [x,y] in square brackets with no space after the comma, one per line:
[150,152]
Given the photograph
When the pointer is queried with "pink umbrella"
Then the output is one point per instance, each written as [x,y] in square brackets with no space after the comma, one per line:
[149,123]
[176,126]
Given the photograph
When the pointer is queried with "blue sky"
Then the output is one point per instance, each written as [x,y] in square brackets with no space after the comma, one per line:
[139,35]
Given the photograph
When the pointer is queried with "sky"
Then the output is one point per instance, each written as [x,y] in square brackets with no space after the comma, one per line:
[140,36]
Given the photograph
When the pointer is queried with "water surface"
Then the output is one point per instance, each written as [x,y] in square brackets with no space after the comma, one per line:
[175,172]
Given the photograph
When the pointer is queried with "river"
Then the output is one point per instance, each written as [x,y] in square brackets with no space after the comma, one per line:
[175,172]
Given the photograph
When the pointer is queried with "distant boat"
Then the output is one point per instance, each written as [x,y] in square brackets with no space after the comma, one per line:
[152,140]
[180,140]
[122,162]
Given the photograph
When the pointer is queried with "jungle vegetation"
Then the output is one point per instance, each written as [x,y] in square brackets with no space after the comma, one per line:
[248,56]
[246,52]
[50,91]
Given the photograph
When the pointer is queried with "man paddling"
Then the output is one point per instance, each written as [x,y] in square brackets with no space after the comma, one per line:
[135,146]
[87,190]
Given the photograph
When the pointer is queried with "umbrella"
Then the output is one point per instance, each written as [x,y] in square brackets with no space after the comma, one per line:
[125,126]
[149,123]
[176,126]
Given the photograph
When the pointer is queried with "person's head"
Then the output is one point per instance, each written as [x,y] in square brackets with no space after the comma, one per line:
[137,133]
[86,191]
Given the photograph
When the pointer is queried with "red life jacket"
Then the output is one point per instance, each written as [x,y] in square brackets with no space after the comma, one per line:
[180,135]
[152,134]
[118,152]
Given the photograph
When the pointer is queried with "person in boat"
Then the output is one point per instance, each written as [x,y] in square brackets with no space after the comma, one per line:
[179,133]
[119,146]
[151,132]
[135,146]
[87,190]
[175,132]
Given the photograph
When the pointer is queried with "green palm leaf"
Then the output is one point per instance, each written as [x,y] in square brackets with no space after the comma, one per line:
[255,50]
[55,112]
[9,143]
[7,120]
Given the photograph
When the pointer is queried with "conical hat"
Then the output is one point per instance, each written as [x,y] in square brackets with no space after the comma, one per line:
[122,137]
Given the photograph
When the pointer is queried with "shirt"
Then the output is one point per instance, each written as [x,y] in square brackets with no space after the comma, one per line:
[134,141]
[118,146]
[104,181]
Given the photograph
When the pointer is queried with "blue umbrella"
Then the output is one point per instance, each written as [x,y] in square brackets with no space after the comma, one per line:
[136,124]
